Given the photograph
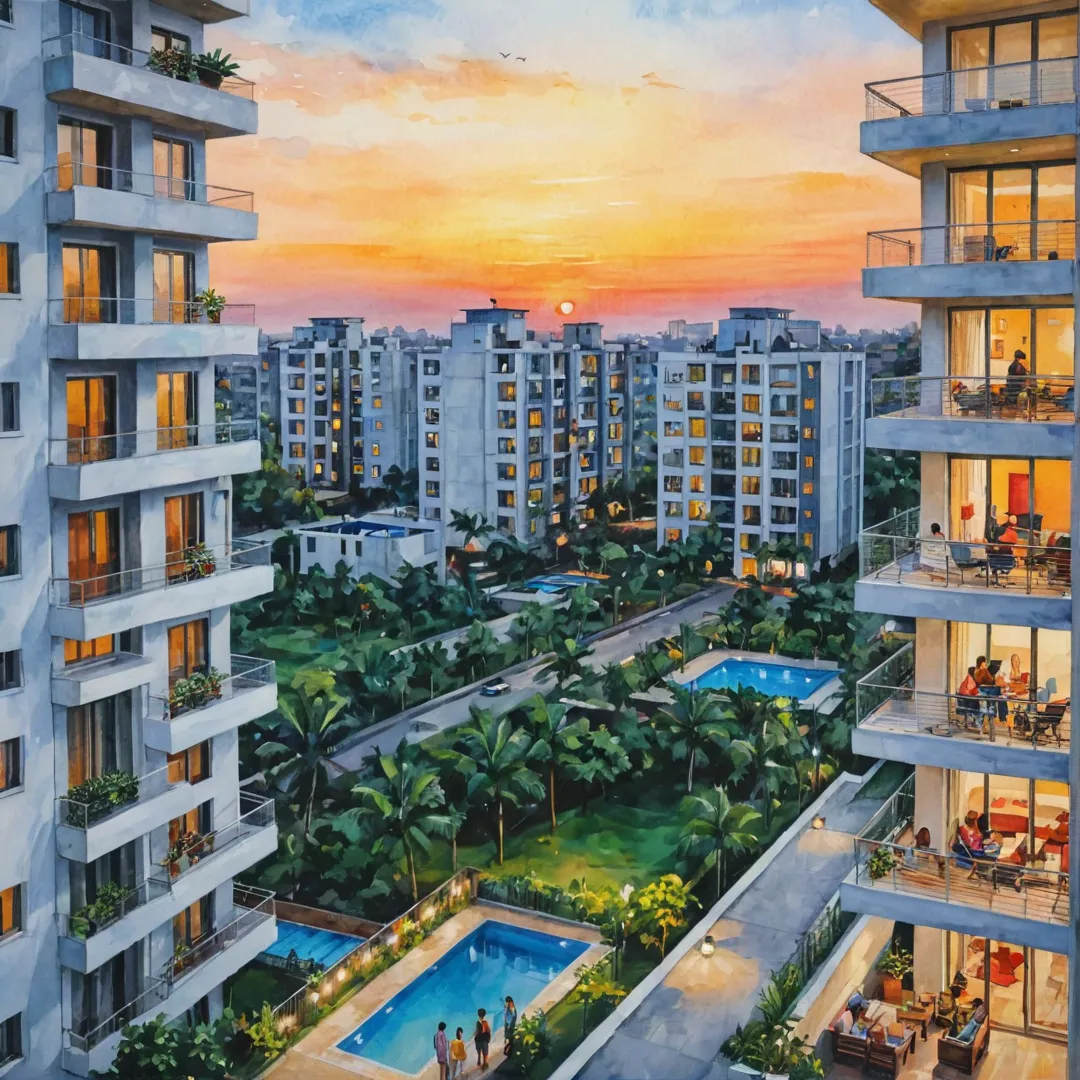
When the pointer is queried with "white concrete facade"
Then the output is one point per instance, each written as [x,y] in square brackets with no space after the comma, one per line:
[113,467]
[377,543]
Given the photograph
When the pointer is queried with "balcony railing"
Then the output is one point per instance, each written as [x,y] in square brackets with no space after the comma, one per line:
[893,552]
[91,920]
[1005,86]
[886,858]
[86,1037]
[83,449]
[143,312]
[258,907]
[80,174]
[1029,398]
[102,797]
[86,45]
[240,555]
[246,673]
[886,698]
[1004,241]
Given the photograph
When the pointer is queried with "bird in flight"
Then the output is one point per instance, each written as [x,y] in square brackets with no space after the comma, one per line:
[521,58]
[505,55]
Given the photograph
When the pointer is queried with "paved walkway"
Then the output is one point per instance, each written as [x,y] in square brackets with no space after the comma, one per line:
[676,1032]
[617,647]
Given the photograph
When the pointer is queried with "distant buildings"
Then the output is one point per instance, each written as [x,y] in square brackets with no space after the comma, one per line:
[764,435]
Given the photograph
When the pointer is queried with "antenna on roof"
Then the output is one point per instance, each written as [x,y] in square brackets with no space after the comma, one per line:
[494,302]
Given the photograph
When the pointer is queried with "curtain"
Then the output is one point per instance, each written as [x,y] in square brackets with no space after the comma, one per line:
[967,499]
[967,359]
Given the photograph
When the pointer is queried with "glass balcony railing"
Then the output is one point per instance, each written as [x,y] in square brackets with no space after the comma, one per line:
[252,908]
[1004,241]
[110,907]
[887,700]
[974,90]
[1028,398]
[173,65]
[190,566]
[247,673]
[77,308]
[1034,886]
[80,448]
[895,552]
[79,174]
[97,799]
[87,1035]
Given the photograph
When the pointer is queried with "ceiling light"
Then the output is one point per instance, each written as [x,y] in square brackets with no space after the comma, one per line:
[1015,150]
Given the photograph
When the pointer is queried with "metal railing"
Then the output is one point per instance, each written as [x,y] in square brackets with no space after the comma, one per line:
[83,449]
[246,673]
[87,1037]
[258,907]
[81,813]
[240,555]
[143,312]
[80,926]
[1023,890]
[87,45]
[1030,398]
[1001,241]
[887,555]
[80,174]
[1004,86]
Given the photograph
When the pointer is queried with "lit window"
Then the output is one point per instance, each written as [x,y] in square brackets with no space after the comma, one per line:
[10,764]
[751,485]
[9,268]
[809,371]
[807,432]
[808,461]
[673,429]
[808,540]
[536,470]
[375,451]
[336,425]
[808,488]
[296,405]
[744,542]
[808,403]
[507,498]
[697,483]
[697,455]
[751,455]
[508,446]
[318,469]
[358,469]
[699,510]
[808,514]
[751,432]
[749,567]
[672,536]
[535,496]
[536,418]
[376,471]
[378,425]
[507,391]
[431,440]
[296,449]
[376,402]
[614,432]
[10,914]
[751,403]
[9,550]
[432,489]
[697,427]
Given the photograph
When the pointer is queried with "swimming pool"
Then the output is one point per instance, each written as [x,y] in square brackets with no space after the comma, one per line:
[554,583]
[493,961]
[325,947]
[776,680]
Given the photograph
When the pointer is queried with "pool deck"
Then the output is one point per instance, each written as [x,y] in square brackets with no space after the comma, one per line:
[316,1057]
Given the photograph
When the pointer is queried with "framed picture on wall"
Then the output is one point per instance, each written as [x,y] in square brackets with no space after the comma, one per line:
[997,348]
[1001,325]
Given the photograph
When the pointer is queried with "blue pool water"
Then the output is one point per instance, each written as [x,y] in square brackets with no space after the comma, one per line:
[776,680]
[325,947]
[553,583]
[494,961]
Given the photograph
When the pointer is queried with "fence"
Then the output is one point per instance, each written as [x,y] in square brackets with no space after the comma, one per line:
[1048,239]
[820,940]
[74,174]
[1029,398]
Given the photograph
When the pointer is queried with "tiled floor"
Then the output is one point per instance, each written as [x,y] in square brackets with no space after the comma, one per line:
[1008,1057]
[316,1057]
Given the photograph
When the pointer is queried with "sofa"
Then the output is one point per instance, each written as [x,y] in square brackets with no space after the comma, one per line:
[961,1054]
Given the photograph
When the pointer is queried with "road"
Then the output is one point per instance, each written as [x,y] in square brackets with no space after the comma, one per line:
[523,684]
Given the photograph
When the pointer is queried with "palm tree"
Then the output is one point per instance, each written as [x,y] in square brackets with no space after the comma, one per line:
[554,743]
[567,662]
[494,760]
[476,649]
[405,796]
[715,827]
[432,658]
[619,683]
[301,755]
[764,753]
[471,526]
[690,726]
[532,623]
[456,816]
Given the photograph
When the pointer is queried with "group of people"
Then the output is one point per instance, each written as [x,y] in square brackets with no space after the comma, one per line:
[451,1054]
[986,679]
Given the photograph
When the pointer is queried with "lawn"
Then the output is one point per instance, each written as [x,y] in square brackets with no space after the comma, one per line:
[253,985]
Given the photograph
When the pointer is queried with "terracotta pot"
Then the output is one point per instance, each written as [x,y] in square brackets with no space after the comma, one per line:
[892,990]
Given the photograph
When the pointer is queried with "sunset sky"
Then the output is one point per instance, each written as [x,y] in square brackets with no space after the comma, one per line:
[648,159]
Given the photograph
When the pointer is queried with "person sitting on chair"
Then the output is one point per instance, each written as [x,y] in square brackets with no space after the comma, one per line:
[968,694]
[1017,377]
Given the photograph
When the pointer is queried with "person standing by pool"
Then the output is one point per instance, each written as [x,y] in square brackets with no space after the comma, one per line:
[509,1021]
[457,1056]
[442,1055]
[482,1038]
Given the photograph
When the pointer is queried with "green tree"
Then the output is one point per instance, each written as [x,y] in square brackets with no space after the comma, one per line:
[532,626]
[555,744]
[495,762]
[619,683]
[660,907]
[470,526]
[596,985]
[567,663]
[764,751]
[433,663]
[301,756]
[475,650]
[148,1051]
[406,798]
[691,726]
[713,827]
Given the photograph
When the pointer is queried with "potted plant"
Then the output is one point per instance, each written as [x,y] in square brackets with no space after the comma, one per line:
[199,688]
[173,63]
[199,562]
[881,863]
[213,68]
[895,965]
[99,796]
[180,956]
[213,303]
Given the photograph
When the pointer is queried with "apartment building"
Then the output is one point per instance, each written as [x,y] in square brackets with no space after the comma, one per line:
[520,430]
[248,387]
[763,435]
[983,565]
[348,405]
[123,820]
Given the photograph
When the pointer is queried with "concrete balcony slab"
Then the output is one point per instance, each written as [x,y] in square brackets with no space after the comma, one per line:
[93,680]
[1017,281]
[960,435]
[150,341]
[240,703]
[208,11]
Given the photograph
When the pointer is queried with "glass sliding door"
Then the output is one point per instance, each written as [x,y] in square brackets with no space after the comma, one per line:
[183,530]
[174,168]
[89,28]
[83,154]
[174,286]
[96,743]
[187,649]
[94,554]
[91,418]
[89,284]
[177,409]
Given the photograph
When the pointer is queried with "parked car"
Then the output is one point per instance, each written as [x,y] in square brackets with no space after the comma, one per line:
[495,688]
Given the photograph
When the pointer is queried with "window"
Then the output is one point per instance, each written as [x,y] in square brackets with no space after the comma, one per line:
[188,648]
[697,427]
[169,39]
[751,374]
[507,498]
[673,404]
[787,460]
[508,446]
[10,1029]
[695,373]
[183,531]
[296,382]
[321,409]
[505,524]
[751,456]
[615,432]
[783,515]
[751,432]
[431,440]
[10,912]
[9,407]
[536,418]
[535,496]
[698,510]
[808,404]
[697,483]
[191,765]
[376,472]
[9,268]
[320,451]
[296,449]
[375,451]
[782,376]
[723,430]
[808,539]
[358,469]
[672,508]
[431,416]
[808,461]
[807,432]
[506,472]
[296,406]
[431,464]
[808,487]
[751,515]
[723,457]
[320,429]
[697,455]
[751,403]
[296,427]
[783,433]
[311,545]
[809,371]
[672,536]
[751,485]
[10,762]
[75,651]
[536,470]
[5,16]
[783,488]
[615,455]
[9,550]
[673,429]
[432,489]
[7,122]
[749,567]
[376,402]
[507,391]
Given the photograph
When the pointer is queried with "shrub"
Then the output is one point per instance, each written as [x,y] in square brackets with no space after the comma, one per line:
[99,796]
[881,863]
[531,1042]
[264,1034]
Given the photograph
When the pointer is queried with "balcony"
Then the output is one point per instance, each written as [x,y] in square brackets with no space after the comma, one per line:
[121,808]
[977,114]
[1025,735]
[251,928]
[88,609]
[209,11]
[105,77]
[1026,902]
[111,328]
[905,574]
[92,680]
[1014,259]
[102,466]
[100,197]
[1033,414]
[248,692]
